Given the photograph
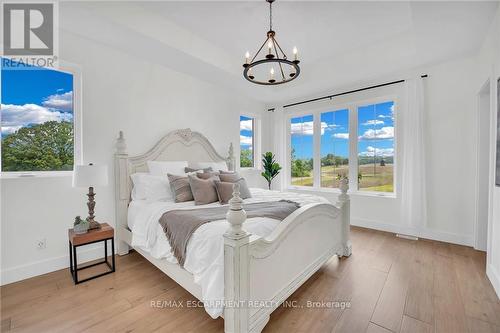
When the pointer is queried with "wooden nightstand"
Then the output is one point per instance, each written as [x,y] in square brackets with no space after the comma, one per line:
[105,233]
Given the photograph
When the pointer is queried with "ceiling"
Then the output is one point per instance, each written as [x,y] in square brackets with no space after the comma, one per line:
[339,43]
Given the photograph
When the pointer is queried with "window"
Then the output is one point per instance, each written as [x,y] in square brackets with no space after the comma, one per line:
[376,147]
[302,162]
[247,142]
[334,147]
[356,141]
[37,132]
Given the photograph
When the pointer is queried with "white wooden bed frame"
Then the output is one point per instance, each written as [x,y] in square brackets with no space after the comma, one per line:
[266,270]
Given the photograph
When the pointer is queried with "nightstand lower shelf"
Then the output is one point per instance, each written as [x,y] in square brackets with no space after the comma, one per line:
[73,261]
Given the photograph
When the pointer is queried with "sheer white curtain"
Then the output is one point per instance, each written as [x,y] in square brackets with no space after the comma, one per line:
[414,196]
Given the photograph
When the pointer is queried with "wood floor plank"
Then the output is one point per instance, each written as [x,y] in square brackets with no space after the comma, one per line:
[419,304]
[412,325]
[5,325]
[442,249]
[369,283]
[443,278]
[479,326]
[476,302]
[449,312]
[373,328]
[390,307]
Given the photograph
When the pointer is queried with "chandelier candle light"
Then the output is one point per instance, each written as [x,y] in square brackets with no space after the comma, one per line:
[288,70]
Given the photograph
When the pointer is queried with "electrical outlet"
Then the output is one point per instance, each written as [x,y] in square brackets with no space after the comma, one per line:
[41,244]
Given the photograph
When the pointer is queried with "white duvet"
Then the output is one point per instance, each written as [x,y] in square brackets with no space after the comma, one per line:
[205,250]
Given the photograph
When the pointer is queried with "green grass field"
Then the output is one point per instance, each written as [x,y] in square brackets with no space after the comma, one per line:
[374,178]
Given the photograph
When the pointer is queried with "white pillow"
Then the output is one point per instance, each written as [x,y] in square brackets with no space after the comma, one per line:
[216,166]
[161,168]
[151,188]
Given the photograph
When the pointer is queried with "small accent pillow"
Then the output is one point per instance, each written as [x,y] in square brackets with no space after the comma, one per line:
[229,177]
[208,175]
[181,190]
[233,178]
[204,191]
[189,170]
[225,190]
[226,172]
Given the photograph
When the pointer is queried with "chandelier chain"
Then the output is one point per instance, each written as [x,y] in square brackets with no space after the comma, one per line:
[270,15]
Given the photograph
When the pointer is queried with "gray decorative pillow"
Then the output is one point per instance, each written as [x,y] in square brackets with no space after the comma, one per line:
[188,169]
[208,175]
[222,172]
[181,190]
[229,177]
[225,190]
[203,190]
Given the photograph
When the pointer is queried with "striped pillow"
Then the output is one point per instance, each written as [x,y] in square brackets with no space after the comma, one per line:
[181,190]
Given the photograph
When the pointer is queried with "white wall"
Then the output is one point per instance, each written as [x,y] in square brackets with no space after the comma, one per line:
[488,65]
[120,92]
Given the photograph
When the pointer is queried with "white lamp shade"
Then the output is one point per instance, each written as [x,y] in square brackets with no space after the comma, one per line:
[90,175]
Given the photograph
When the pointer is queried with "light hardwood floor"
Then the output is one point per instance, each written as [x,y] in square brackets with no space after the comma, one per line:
[392,285]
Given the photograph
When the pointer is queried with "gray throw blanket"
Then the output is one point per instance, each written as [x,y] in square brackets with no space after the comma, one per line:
[180,224]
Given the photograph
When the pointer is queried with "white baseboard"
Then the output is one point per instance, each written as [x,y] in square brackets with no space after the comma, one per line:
[45,266]
[494,277]
[421,233]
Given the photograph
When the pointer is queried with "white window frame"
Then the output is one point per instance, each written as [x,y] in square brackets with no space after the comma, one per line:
[352,106]
[256,142]
[74,70]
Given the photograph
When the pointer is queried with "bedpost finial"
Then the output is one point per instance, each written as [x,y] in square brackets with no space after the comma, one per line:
[344,187]
[121,146]
[236,215]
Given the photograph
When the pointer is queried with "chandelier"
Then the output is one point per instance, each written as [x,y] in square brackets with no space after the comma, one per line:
[275,57]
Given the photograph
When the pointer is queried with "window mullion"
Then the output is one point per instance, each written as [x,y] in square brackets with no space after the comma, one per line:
[353,148]
[317,150]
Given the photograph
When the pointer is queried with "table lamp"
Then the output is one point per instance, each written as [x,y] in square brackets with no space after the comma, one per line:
[90,176]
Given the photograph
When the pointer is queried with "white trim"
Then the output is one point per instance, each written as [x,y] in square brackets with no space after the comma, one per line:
[256,141]
[76,72]
[334,190]
[352,107]
[493,138]
[427,233]
[21,272]
[35,174]
[494,277]
[485,89]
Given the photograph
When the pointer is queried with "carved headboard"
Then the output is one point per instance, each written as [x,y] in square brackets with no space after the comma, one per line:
[178,145]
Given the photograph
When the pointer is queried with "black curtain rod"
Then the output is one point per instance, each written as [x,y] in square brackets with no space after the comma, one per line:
[345,93]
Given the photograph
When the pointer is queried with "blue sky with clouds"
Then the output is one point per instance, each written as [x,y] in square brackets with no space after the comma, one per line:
[34,96]
[375,132]
[246,132]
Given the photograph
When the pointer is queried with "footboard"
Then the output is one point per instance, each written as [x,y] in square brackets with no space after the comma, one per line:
[261,273]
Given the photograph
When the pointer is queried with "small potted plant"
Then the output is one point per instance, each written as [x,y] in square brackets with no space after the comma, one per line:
[80,226]
[271,167]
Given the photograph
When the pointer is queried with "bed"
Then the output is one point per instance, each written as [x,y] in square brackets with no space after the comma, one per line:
[256,271]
